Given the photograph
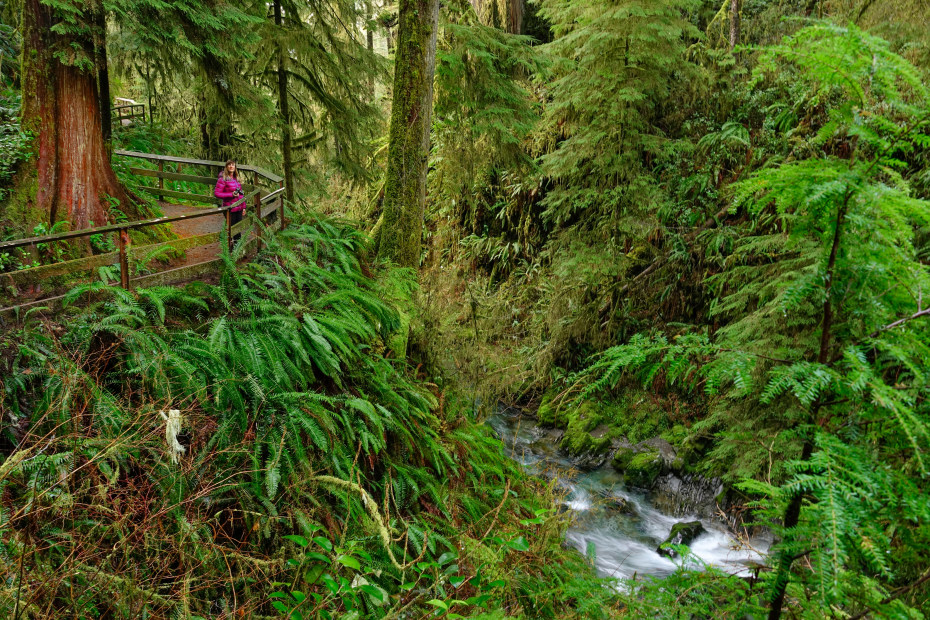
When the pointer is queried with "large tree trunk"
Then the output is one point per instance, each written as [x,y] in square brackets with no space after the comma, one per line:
[217,103]
[505,14]
[284,109]
[72,178]
[103,74]
[408,151]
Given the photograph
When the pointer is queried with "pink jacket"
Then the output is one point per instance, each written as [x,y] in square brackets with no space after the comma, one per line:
[225,189]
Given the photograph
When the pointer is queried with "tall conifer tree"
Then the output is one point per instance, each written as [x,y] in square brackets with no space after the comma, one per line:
[408,151]
[63,107]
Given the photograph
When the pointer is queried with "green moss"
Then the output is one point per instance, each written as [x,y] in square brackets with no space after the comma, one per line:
[546,414]
[578,424]
[622,458]
[577,442]
[643,469]
[20,209]
[636,416]
[676,435]
[397,342]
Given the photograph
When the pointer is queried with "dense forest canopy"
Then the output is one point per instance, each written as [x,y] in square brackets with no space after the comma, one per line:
[683,245]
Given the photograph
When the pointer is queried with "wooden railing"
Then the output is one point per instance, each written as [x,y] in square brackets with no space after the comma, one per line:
[128,112]
[262,206]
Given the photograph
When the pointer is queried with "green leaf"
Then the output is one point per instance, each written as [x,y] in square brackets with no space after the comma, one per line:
[300,540]
[478,600]
[457,581]
[348,560]
[330,583]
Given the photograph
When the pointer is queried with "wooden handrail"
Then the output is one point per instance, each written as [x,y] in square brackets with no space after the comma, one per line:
[130,106]
[200,162]
[9,245]
[255,198]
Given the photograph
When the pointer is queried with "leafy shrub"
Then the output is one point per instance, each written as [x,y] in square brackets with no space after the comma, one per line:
[14,143]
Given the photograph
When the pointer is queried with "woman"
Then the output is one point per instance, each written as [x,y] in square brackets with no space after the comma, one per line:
[230,190]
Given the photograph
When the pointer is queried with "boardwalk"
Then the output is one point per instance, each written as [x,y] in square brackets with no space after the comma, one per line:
[197,230]
[192,228]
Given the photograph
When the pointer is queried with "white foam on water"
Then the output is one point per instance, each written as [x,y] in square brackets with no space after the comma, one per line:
[618,527]
[618,557]
[724,551]
[579,500]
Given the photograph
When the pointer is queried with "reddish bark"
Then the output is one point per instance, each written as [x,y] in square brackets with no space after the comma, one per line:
[61,108]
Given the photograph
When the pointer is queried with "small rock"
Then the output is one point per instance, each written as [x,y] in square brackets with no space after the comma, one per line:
[682,534]
[664,448]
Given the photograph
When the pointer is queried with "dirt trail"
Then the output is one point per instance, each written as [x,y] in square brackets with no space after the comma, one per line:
[192,228]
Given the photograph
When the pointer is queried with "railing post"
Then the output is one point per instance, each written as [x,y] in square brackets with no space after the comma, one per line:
[229,242]
[161,179]
[257,200]
[123,258]
[281,206]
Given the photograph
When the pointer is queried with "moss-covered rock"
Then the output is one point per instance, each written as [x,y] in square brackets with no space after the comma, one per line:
[682,534]
[546,414]
[622,458]
[643,469]
[576,442]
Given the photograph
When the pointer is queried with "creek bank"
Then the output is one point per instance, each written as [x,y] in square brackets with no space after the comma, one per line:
[617,525]
[589,436]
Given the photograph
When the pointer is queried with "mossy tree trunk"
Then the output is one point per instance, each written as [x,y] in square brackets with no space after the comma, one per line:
[69,176]
[217,103]
[284,110]
[408,151]
[734,23]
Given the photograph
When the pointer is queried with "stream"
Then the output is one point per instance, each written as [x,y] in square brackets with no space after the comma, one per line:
[620,528]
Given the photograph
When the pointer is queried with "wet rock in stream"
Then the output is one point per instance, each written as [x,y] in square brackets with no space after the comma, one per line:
[689,494]
[682,534]
[613,521]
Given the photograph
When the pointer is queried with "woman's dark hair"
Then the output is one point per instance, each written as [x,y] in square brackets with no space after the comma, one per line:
[226,176]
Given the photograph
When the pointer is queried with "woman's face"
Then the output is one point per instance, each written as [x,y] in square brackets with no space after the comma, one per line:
[231,167]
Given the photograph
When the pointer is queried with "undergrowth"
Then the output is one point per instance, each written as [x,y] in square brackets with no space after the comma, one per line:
[293,424]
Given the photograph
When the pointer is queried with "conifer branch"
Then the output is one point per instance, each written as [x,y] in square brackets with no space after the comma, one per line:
[901,591]
[900,322]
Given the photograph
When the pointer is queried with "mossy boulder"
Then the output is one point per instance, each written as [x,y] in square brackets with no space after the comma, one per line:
[643,469]
[548,410]
[587,440]
[682,533]
[576,442]
[623,457]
